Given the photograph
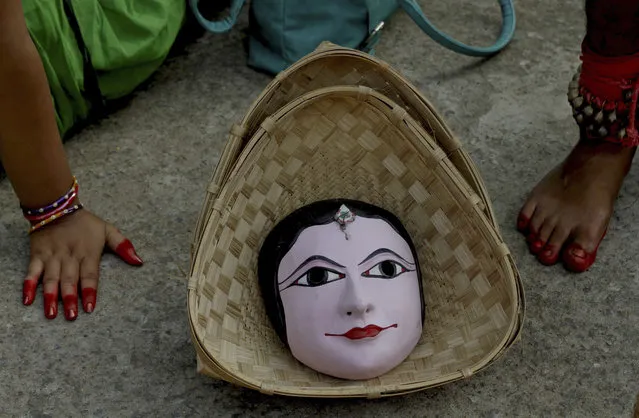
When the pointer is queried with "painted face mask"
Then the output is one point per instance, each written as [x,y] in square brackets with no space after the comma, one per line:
[342,287]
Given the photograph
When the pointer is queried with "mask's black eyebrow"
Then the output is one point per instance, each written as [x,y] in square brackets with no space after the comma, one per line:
[308,260]
[384,251]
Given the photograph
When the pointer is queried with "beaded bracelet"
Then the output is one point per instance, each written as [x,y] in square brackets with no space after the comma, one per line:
[55,216]
[53,206]
[63,206]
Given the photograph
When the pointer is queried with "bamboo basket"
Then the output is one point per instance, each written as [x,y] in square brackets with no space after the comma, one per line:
[339,114]
[332,65]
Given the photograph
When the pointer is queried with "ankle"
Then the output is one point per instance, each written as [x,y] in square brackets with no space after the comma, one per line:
[604,95]
[602,147]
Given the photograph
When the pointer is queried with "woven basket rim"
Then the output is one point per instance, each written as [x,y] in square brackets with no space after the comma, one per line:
[328,50]
[238,133]
[488,231]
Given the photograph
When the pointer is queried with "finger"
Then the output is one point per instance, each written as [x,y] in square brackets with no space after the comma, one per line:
[69,276]
[89,275]
[50,284]
[120,245]
[36,267]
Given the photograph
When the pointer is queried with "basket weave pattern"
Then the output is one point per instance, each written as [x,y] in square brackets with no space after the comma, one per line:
[335,66]
[348,142]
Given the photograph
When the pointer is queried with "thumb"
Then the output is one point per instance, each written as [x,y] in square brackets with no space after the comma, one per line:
[120,245]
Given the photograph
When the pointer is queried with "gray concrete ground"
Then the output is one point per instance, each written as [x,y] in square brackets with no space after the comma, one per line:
[146,169]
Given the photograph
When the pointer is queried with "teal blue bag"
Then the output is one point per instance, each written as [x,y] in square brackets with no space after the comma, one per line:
[283,31]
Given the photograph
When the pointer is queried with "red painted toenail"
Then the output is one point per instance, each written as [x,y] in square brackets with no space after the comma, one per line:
[549,255]
[522,223]
[549,258]
[576,259]
[578,252]
[536,246]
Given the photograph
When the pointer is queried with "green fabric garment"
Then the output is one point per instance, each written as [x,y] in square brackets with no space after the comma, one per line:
[127,41]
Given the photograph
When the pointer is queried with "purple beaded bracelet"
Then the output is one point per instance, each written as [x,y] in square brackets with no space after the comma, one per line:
[53,206]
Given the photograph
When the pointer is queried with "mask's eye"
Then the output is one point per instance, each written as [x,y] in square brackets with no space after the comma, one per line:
[318,276]
[387,269]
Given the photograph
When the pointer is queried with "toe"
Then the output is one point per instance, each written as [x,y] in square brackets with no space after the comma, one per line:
[538,241]
[536,245]
[551,251]
[535,227]
[549,256]
[580,254]
[522,223]
[537,222]
[525,215]
[576,259]
[546,230]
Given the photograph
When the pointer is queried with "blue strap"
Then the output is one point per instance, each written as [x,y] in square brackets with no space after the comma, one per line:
[507,30]
[219,26]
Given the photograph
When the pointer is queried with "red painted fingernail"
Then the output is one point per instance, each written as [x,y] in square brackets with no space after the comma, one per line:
[88,299]
[28,291]
[71,315]
[128,254]
[522,222]
[50,305]
[70,307]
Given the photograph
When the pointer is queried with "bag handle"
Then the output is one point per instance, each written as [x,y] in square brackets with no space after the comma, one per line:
[411,8]
[507,30]
[218,26]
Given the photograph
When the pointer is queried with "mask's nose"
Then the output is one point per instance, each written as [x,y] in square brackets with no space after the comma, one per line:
[354,300]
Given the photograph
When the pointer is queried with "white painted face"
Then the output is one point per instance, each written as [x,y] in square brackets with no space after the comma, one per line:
[352,306]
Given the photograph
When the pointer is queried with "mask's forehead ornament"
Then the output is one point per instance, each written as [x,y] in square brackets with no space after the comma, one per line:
[343,217]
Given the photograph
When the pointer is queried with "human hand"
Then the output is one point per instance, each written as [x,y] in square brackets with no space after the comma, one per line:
[68,252]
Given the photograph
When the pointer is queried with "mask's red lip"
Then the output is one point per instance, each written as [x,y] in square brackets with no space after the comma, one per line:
[369,331]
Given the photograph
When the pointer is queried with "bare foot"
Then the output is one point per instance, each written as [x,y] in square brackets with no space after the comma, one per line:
[567,213]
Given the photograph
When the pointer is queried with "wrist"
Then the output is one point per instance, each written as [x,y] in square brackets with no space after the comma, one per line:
[63,206]
[41,191]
